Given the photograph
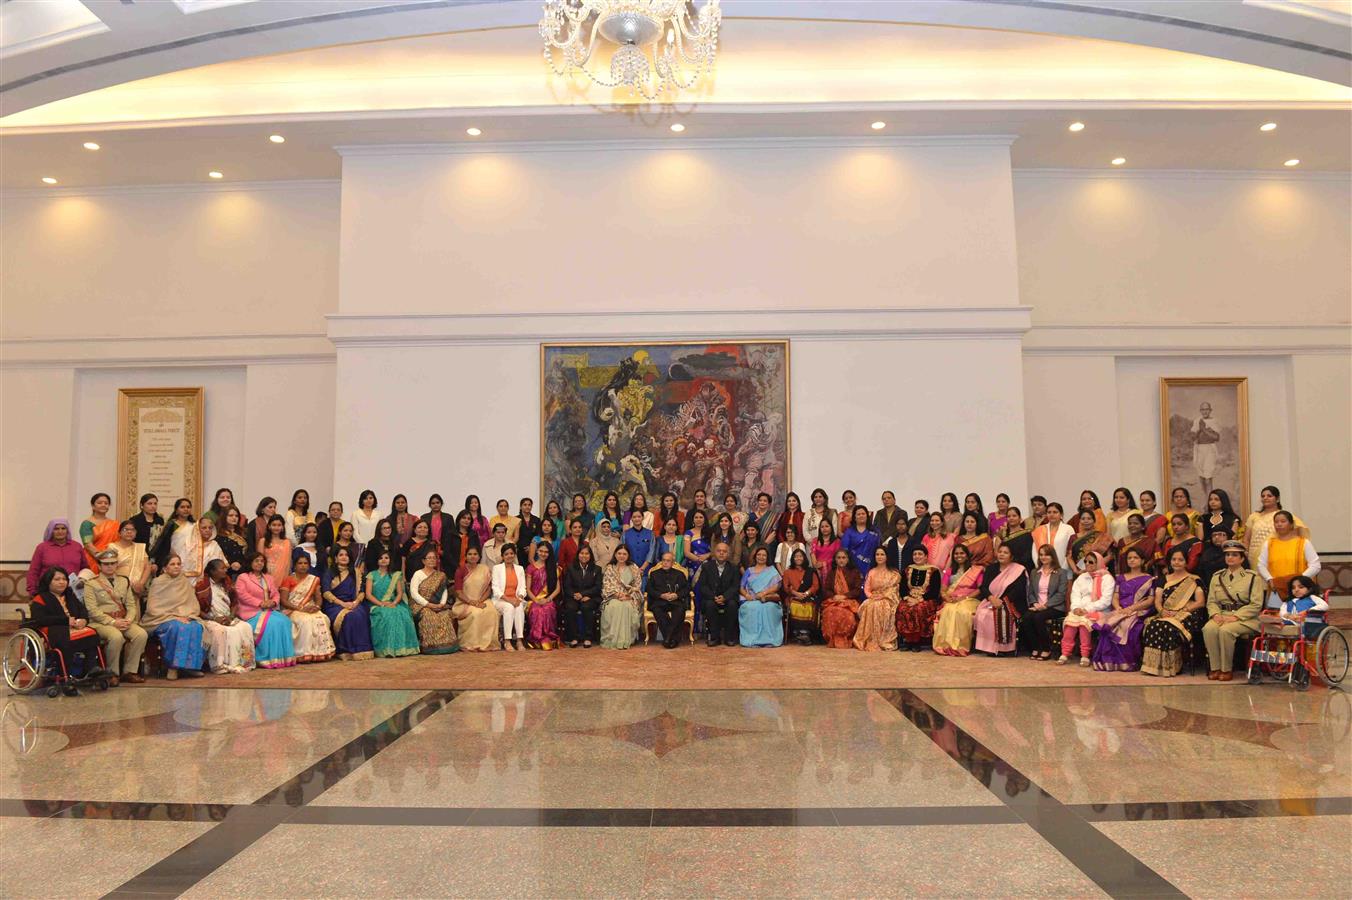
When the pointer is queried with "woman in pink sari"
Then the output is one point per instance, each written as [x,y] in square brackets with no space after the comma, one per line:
[938,542]
[542,587]
[953,625]
[258,602]
[824,546]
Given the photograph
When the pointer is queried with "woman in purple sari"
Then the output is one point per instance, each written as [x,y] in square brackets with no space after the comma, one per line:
[542,587]
[1119,647]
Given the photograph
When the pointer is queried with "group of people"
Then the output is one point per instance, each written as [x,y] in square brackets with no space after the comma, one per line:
[1127,586]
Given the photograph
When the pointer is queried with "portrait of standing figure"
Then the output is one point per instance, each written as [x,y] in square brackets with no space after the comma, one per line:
[1204,437]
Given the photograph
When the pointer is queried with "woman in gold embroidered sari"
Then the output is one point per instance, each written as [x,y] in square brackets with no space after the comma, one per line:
[953,627]
[309,625]
[878,613]
[1181,608]
[431,600]
[476,617]
[1088,539]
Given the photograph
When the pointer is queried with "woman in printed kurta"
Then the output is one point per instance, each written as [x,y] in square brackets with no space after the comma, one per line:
[800,587]
[1119,646]
[1004,600]
[309,625]
[345,605]
[622,601]
[878,613]
[961,596]
[476,617]
[393,632]
[760,618]
[258,603]
[429,593]
[1260,524]
[542,589]
[919,602]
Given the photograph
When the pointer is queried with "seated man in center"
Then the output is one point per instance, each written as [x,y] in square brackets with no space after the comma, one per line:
[716,589]
[668,593]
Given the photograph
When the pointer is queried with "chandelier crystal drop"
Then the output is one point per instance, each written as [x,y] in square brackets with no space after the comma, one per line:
[660,46]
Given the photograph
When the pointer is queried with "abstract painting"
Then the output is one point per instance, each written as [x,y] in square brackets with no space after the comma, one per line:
[663,417]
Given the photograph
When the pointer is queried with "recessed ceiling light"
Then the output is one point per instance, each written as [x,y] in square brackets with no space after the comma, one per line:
[90,145]
[1291,163]
[1268,126]
[878,126]
[1120,161]
[48,180]
[677,127]
[215,175]
[277,139]
[473,132]
[1077,126]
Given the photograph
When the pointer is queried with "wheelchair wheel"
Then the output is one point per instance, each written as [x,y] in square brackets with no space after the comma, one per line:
[25,661]
[1331,656]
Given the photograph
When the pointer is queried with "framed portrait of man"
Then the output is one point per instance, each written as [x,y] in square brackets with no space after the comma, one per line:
[1204,438]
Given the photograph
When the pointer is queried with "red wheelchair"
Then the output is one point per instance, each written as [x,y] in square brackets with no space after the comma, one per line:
[1295,652]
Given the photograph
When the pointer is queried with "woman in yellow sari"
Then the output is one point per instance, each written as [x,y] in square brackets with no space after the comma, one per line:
[97,531]
[961,596]
[1259,527]
[878,613]
[476,617]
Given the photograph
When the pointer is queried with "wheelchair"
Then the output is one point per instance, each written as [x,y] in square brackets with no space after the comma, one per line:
[29,664]
[1316,649]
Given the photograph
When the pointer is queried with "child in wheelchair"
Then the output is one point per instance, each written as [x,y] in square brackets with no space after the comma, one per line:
[1285,629]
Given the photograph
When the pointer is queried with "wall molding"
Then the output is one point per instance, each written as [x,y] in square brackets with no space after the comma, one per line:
[1180,175]
[1201,339]
[211,187]
[104,352]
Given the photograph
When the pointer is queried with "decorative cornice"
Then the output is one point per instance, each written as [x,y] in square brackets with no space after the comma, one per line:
[102,352]
[851,142]
[1180,175]
[1201,339]
[212,187]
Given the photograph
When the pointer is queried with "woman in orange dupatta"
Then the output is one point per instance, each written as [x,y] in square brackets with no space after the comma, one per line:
[97,531]
[979,545]
[840,601]
[953,625]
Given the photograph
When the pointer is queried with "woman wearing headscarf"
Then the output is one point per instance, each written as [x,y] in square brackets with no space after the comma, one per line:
[476,617]
[174,617]
[1090,597]
[1004,591]
[64,622]
[56,550]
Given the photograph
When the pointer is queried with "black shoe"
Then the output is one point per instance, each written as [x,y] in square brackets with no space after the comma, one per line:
[669,644]
[916,648]
[712,642]
[70,690]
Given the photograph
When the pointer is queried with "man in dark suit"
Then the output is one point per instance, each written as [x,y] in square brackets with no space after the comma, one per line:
[668,592]
[716,589]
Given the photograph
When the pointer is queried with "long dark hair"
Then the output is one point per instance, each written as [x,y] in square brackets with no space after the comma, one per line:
[305,511]
[551,564]
[1131,498]
[267,532]
[1226,509]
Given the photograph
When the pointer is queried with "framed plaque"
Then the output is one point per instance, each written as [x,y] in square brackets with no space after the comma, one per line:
[159,446]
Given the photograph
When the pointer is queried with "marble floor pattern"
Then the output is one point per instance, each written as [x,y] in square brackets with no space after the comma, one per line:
[1161,790]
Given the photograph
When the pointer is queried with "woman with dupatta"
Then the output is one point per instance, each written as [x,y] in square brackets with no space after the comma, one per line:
[276,549]
[825,546]
[173,616]
[621,601]
[878,613]
[475,615]
[961,596]
[1017,535]
[841,588]
[429,592]
[392,630]
[230,538]
[1004,600]
[97,531]
[939,541]
[760,618]
[1088,539]
[1137,540]
[258,603]
[345,605]
[1181,608]
[309,625]
[816,514]
[915,613]
[542,591]
[1180,537]
[133,563]
[800,585]
[1119,645]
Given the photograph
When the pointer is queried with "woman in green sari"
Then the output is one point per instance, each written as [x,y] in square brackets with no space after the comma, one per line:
[392,630]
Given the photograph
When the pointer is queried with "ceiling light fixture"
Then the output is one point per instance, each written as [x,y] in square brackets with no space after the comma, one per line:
[1291,163]
[215,175]
[1268,126]
[878,126]
[677,127]
[277,139]
[1120,161]
[47,179]
[90,145]
[473,132]
[1076,126]
[654,46]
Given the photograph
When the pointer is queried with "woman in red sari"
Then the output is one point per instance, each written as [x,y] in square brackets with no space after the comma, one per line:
[920,585]
[841,587]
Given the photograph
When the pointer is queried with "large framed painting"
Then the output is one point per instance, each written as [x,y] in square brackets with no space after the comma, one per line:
[159,446]
[660,417]
[1204,438]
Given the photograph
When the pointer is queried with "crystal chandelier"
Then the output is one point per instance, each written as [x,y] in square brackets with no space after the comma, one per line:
[660,45]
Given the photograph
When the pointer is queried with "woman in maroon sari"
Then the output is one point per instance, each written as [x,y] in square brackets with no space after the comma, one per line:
[841,586]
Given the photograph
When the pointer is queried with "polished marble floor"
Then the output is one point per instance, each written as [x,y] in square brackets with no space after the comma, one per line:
[1160,790]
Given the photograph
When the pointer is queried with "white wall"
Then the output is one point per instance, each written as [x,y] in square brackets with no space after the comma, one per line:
[36,465]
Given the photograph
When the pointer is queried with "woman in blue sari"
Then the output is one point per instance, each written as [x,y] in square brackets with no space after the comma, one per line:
[697,543]
[392,630]
[859,540]
[760,618]
[345,605]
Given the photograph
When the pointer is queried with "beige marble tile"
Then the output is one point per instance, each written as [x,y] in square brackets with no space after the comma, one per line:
[71,858]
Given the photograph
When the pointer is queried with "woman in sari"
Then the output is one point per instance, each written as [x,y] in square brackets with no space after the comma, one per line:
[1180,503]
[697,546]
[346,538]
[309,625]
[1286,555]
[841,589]
[477,520]
[610,511]
[1089,538]
[345,605]
[817,513]
[1017,535]
[429,591]
[173,616]
[878,613]
[950,513]
[542,590]
[276,549]
[1181,537]
[382,542]
[845,518]
[919,602]
[961,596]
[939,541]
[1089,502]
[230,538]
[1124,507]
[97,531]
[1119,645]
[1136,539]
[258,603]
[1260,525]
[228,639]
[800,586]
[737,518]
[621,601]
[789,544]
[548,535]
[860,541]
[979,545]
[1000,518]
[132,562]
[413,549]
[1047,589]
[475,615]
[760,618]
[392,630]
[578,510]
[825,546]
[1004,600]
[1156,523]
[1181,608]
[401,519]
[670,540]
[195,545]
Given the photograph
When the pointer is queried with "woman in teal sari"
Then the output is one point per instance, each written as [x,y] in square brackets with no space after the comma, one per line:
[392,630]
[760,618]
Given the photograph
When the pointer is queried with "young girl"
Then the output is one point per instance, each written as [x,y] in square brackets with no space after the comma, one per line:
[1090,595]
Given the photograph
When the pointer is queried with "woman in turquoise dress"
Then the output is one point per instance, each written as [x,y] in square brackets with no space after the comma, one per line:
[392,630]
[760,618]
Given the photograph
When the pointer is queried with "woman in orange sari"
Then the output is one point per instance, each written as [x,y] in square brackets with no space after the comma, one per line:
[97,531]
[800,586]
[878,613]
[977,544]
[840,601]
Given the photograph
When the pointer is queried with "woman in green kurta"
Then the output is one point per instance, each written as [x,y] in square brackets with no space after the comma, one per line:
[392,630]
[621,601]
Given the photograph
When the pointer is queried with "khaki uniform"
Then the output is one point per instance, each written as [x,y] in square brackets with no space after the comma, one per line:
[1232,594]
[109,599]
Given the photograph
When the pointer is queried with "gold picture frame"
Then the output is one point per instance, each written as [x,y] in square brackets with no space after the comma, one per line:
[548,401]
[159,445]
[1184,462]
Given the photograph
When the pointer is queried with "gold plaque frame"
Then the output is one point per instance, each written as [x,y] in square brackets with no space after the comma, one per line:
[129,443]
[1238,389]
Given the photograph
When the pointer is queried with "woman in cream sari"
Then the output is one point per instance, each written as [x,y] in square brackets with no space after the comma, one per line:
[133,563]
[228,639]
[430,596]
[953,626]
[878,613]
[196,546]
[476,617]
[1260,526]
[309,625]
[622,601]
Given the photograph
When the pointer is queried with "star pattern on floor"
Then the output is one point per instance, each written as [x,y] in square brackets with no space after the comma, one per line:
[661,734]
[89,734]
[1182,721]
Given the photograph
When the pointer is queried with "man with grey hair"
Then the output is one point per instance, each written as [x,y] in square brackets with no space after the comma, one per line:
[716,590]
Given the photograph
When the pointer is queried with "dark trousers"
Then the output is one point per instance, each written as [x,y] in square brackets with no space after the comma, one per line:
[720,620]
[669,616]
[1037,626]
[582,620]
